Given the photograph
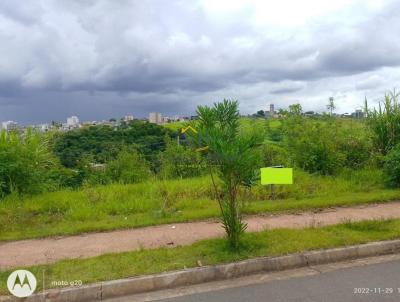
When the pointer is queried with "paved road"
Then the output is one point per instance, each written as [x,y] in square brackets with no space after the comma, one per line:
[334,286]
[375,280]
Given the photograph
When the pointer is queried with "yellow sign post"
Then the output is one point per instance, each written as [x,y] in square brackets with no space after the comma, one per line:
[276,176]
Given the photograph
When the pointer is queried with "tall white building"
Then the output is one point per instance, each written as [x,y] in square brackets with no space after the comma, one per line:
[128,118]
[73,121]
[155,118]
[9,125]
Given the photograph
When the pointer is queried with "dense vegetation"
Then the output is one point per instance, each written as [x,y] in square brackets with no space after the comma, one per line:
[135,151]
[103,143]
[141,173]
[26,164]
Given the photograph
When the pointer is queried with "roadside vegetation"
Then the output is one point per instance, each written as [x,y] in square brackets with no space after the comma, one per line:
[137,174]
[209,252]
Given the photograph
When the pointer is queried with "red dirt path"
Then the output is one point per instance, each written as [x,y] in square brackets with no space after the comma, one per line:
[41,251]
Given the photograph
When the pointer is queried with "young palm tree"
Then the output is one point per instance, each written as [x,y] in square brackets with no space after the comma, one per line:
[232,155]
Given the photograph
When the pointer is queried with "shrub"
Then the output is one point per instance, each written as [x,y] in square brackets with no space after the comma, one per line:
[326,145]
[392,167]
[312,145]
[233,155]
[177,161]
[385,123]
[128,167]
[354,143]
[274,155]
[25,163]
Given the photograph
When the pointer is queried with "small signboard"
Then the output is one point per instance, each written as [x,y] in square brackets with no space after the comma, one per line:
[276,176]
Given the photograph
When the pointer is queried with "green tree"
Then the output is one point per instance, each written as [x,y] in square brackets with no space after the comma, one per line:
[331,105]
[105,142]
[295,110]
[234,156]
[260,113]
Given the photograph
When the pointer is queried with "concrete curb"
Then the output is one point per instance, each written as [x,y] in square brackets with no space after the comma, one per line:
[130,286]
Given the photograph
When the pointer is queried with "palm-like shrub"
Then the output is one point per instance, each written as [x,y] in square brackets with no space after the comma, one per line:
[232,155]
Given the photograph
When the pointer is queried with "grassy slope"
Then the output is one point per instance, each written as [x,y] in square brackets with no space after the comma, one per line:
[123,206]
[267,243]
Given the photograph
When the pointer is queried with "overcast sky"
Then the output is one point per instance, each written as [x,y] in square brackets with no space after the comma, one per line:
[103,59]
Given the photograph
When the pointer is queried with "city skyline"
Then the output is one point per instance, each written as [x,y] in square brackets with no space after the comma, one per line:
[158,117]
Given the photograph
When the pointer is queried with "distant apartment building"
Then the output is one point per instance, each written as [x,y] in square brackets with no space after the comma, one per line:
[128,118]
[358,114]
[271,110]
[155,118]
[166,119]
[9,125]
[42,127]
[73,122]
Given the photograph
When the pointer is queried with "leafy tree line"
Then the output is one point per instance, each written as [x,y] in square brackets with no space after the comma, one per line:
[36,162]
[103,143]
[137,151]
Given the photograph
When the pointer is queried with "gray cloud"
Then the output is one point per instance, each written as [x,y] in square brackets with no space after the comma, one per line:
[107,58]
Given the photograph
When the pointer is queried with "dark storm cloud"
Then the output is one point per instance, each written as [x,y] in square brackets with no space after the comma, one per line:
[285,90]
[89,57]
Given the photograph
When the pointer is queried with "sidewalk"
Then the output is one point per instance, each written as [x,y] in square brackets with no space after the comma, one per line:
[42,251]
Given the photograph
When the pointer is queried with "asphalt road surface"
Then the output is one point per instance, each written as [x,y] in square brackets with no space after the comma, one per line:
[365,281]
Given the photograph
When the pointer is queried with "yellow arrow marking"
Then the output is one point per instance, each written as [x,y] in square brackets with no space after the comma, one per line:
[187,128]
[195,131]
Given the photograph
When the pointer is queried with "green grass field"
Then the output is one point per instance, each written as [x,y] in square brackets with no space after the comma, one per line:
[268,243]
[156,202]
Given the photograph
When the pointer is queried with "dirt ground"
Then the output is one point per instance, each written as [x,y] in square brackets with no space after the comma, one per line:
[41,251]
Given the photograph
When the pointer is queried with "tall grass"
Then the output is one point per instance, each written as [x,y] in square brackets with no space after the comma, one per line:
[25,163]
[164,201]
[385,122]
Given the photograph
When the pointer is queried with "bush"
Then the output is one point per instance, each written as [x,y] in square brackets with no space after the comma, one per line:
[392,168]
[327,145]
[355,145]
[178,161]
[385,123]
[313,147]
[128,167]
[274,155]
[26,163]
